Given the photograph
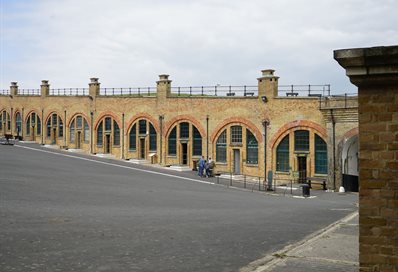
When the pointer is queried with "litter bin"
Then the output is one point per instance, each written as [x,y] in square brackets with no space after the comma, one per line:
[194,165]
[306,190]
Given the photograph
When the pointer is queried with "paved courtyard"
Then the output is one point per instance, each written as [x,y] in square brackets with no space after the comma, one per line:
[68,212]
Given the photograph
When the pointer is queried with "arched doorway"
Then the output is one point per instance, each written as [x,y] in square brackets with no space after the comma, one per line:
[349,164]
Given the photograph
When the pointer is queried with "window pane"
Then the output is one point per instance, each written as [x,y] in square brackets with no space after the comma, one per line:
[251,148]
[54,122]
[79,122]
[152,138]
[8,121]
[38,126]
[72,132]
[108,124]
[86,132]
[173,142]
[49,128]
[236,135]
[197,142]
[221,147]
[18,123]
[99,134]
[301,140]
[321,156]
[282,155]
[28,126]
[60,128]
[184,130]
[142,127]
[33,119]
[116,133]
[133,138]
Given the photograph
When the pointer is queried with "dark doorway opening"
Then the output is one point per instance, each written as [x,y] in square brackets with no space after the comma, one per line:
[302,169]
[184,150]
[79,139]
[142,148]
[107,144]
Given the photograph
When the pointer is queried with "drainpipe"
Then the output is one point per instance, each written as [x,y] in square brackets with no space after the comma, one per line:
[122,136]
[265,126]
[161,118]
[207,137]
[42,126]
[23,124]
[91,132]
[334,148]
[64,129]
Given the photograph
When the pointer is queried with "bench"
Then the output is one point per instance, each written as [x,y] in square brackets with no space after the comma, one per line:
[291,94]
[249,93]
[230,94]
[316,180]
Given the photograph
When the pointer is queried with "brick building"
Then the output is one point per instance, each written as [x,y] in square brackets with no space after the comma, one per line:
[245,129]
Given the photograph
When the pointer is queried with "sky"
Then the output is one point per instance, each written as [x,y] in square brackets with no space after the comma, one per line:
[128,43]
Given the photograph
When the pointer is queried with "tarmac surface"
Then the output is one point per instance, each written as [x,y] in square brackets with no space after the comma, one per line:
[71,212]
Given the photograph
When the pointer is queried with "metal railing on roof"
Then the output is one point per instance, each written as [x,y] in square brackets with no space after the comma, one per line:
[4,92]
[340,101]
[230,91]
[29,92]
[69,92]
[304,90]
[136,91]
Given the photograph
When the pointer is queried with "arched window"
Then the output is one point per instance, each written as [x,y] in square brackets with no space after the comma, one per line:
[301,140]
[100,134]
[33,124]
[116,133]
[236,135]
[184,130]
[251,148]
[282,155]
[5,121]
[172,142]
[152,138]
[221,147]
[321,156]
[55,127]
[18,123]
[197,142]
[79,131]
[133,138]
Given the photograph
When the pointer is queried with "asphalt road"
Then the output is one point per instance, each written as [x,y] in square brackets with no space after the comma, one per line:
[80,213]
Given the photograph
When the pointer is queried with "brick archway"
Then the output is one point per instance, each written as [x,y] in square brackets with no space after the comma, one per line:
[76,114]
[50,114]
[184,117]
[142,115]
[29,113]
[252,127]
[106,114]
[297,124]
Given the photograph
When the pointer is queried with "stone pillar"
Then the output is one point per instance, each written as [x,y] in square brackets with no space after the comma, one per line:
[267,85]
[44,88]
[163,87]
[13,89]
[94,87]
[375,72]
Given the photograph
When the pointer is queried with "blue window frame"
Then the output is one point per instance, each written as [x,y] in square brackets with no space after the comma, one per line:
[321,156]
[282,155]
[251,148]
[172,142]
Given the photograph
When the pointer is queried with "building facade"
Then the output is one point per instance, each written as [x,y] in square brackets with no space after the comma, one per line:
[247,130]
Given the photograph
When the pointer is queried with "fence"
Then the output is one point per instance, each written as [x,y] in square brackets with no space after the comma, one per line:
[69,92]
[217,90]
[4,92]
[29,92]
[256,183]
[304,90]
[347,100]
[137,91]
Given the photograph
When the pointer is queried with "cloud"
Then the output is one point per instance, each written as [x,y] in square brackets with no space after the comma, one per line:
[128,43]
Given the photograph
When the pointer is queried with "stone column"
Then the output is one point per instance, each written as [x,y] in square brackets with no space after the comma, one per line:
[163,87]
[13,89]
[267,85]
[375,72]
[94,87]
[44,88]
